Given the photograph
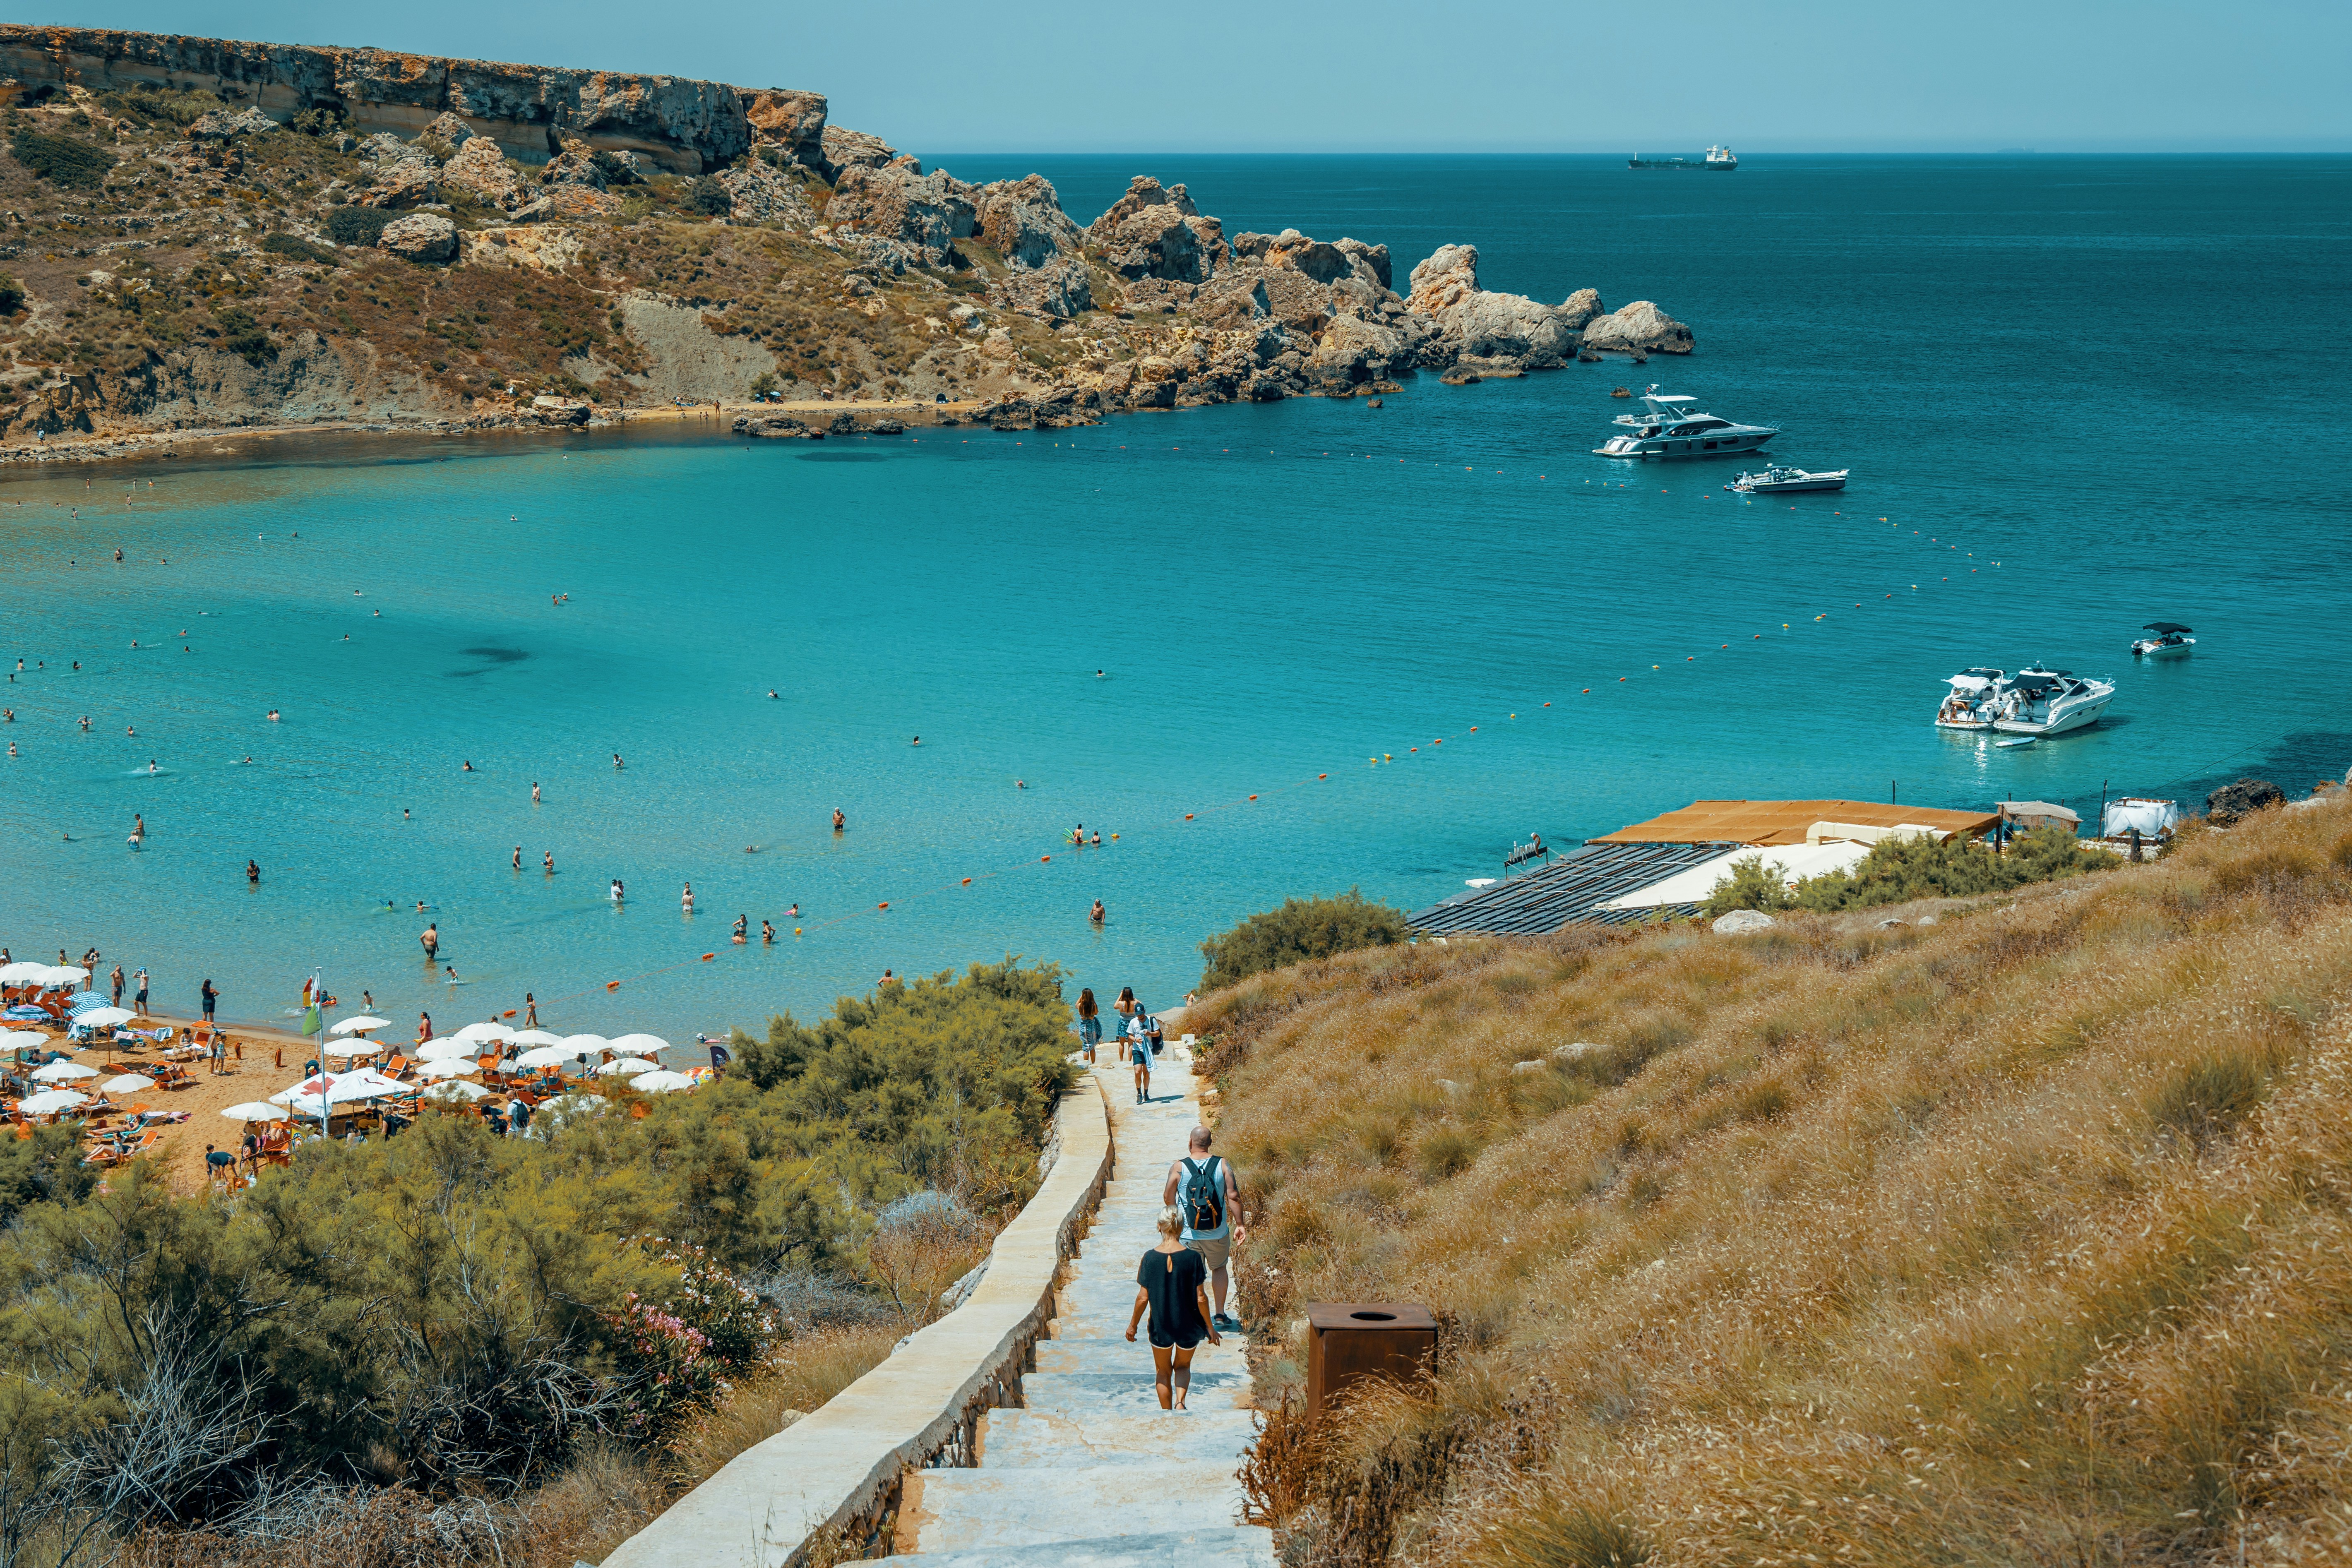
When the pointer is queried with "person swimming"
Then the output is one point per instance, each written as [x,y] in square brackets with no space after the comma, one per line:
[742,925]
[839,821]
[616,889]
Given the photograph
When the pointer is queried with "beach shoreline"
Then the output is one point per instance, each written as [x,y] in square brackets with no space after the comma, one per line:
[207,441]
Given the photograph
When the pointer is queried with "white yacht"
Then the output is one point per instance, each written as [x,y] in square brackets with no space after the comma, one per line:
[1974,695]
[2040,701]
[1777,480]
[2165,639]
[1672,426]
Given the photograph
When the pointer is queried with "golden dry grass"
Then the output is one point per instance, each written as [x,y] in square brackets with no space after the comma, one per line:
[805,1374]
[2021,1239]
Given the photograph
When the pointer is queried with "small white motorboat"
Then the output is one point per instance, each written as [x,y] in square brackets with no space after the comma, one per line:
[2166,639]
[1777,481]
[1972,701]
[2040,701]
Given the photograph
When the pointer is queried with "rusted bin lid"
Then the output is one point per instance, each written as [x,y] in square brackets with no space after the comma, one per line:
[1368,1315]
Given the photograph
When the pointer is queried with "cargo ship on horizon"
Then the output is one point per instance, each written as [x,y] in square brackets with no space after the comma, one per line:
[1713,158]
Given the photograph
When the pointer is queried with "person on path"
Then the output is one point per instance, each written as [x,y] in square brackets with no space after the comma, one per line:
[1169,1283]
[1138,1055]
[1202,1187]
[211,997]
[1089,1024]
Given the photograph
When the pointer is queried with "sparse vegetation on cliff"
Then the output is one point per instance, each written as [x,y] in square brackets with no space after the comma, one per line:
[2019,1238]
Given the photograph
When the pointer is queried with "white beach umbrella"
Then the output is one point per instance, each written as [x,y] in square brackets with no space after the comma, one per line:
[661,1081]
[63,1072]
[640,1045]
[57,974]
[21,1039]
[528,1037]
[449,1068]
[457,1089]
[50,1100]
[129,1083]
[253,1112]
[350,1048]
[486,1031]
[340,1089]
[628,1067]
[358,1025]
[544,1057]
[447,1048]
[591,1044]
[100,1017]
[22,972]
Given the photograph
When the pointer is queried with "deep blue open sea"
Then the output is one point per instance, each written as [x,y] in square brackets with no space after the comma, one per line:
[2075,392]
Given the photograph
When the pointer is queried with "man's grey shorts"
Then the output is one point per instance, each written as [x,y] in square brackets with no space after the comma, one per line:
[1213,1250]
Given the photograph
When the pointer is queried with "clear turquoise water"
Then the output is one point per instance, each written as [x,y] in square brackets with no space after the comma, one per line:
[2121,379]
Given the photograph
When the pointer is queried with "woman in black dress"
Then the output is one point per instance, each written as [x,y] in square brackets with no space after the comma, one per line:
[1172,1282]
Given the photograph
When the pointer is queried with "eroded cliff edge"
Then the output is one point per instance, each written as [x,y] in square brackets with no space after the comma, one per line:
[205,232]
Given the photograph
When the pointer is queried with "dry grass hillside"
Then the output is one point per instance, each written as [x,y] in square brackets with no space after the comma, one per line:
[2020,1238]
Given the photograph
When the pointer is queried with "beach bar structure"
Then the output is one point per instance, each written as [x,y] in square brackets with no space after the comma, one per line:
[1666,867]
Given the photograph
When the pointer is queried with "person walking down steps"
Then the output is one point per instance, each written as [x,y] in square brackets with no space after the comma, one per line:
[1202,1189]
[1172,1282]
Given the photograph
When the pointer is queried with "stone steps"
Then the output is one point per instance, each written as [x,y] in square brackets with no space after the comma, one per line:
[1088,1472]
[1013,1437]
[1232,1546]
[956,1511]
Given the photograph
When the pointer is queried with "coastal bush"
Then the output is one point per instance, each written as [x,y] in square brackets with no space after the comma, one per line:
[1756,882]
[2019,1238]
[281,243]
[1300,930]
[241,335]
[356,225]
[11,295]
[1901,869]
[467,1318]
[712,198]
[61,160]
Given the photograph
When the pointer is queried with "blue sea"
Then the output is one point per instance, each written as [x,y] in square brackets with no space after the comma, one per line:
[2076,394]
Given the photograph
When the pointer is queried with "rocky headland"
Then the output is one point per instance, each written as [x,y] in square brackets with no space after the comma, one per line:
[202,234]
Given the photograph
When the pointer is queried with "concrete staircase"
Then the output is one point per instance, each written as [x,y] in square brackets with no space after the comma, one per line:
[1091,1473]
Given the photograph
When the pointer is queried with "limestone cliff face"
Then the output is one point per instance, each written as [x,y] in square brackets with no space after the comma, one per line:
[531,111]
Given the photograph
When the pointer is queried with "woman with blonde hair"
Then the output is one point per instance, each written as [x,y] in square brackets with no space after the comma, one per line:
[1172,1283]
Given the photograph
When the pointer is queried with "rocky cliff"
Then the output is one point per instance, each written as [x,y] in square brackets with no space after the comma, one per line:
[210,232]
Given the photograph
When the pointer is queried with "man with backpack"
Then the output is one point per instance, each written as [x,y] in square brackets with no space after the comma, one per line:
[1202,1187]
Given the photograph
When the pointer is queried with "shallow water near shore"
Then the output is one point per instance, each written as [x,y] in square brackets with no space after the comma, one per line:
[2012,354]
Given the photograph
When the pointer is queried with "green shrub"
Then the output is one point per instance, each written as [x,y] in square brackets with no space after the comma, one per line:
[712,197]
[300,250]
[1752,883]
[179,108]
[11,295]
[1901,869]
[61,160]
[243,336]
[1302,929]
[357,225]
[318,122]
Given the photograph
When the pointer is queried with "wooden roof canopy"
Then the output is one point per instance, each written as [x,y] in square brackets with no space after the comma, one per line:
[1786,821]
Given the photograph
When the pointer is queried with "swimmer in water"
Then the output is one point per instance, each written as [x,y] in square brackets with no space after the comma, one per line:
[404,817]
[767,934]
[1020,783]
[772,693]
[686,899]
[839,821]
[1098,675]
[273,715]
[616,889]
[518,857]
[550,862]
[1096,916]
[151,766]
[795,912]
[1098,838]
[452,974]
[616,762]
[535,792]
[743,924]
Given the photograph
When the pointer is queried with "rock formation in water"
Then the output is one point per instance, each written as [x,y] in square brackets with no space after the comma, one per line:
[227,233]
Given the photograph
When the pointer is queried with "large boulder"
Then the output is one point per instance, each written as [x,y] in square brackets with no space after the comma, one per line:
[853,149]
[448,130]
[791,119]
[1154,231]
[1062,289]
[924,212]
[1739,922]
[1480,329]
[575,165]
[224,124]
[482,172]
[424,237]
[1025,221]
[569,204]
[2243,799]
[1356,352]
[410,183]
[763,195]
[1640,328]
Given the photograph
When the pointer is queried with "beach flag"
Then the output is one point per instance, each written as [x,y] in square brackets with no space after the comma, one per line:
[314,991]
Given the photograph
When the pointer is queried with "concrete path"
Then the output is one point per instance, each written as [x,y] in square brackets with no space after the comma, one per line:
[1091,1473]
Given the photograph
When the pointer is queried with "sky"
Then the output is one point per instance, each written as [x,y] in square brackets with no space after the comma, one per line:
[1513,75]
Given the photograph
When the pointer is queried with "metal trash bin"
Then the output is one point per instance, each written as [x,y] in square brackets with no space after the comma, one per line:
[1349,1341]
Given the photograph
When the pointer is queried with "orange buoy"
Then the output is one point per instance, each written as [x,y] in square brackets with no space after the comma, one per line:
[1473,729]
[612,985]
[1253,797]
[1188,816]
[882,906]
[709,956]
[1114,838]
[1322,775]
[508,1014]
[967,881]
[1044,858]
[1547,704]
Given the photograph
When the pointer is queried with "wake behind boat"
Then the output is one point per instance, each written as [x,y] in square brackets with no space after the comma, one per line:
[1676,426]
[1777,480]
